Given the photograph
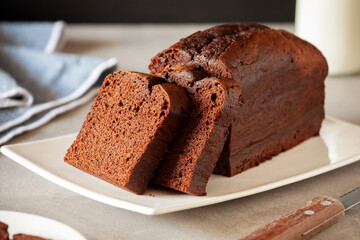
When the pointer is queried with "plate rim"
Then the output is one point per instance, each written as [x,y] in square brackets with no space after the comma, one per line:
[78,235]
[148,210]
[6,150]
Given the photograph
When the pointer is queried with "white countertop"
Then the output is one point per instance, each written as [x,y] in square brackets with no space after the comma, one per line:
[134,45]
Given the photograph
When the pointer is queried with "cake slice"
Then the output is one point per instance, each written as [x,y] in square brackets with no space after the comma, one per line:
[192,156]
[128,129]
[282,85]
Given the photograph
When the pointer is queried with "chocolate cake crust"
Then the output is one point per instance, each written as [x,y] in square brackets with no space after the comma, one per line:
[204,48]
[275,95]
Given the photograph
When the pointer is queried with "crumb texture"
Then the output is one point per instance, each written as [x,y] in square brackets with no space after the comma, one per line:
[192,156]
[128,129]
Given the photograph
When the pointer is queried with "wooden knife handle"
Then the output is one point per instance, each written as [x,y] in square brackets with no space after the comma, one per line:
[318,213]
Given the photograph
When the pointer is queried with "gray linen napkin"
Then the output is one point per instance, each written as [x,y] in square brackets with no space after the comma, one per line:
[11,94]
[45,37]
[40,83]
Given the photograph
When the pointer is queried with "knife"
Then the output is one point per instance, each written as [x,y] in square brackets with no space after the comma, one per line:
[319,213]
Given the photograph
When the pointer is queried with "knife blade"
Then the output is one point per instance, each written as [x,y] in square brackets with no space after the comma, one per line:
[318,214]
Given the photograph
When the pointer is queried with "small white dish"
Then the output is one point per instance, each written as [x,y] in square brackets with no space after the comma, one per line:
[35,225]
[338,145]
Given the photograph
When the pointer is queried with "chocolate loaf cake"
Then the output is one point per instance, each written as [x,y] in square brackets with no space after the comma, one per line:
[282,86]
[128,129]
[192,156]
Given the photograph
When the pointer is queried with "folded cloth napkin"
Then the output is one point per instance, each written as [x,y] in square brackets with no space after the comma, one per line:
[12,95]
[45,37]
[36,84]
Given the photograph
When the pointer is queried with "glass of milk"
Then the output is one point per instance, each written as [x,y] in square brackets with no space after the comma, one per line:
[333,26]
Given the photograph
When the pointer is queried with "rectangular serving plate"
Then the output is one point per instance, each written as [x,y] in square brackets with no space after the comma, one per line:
[338,145]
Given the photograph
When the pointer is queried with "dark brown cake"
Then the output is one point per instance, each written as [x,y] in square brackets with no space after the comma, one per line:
[4,234]
[282,85]
[128,129]
[192,156]
[22,236]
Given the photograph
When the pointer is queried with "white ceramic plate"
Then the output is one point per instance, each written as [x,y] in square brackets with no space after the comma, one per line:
[338,145]
[38,226]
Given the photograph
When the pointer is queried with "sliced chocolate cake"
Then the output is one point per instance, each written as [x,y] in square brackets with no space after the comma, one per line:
[251,93]
[128,129]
